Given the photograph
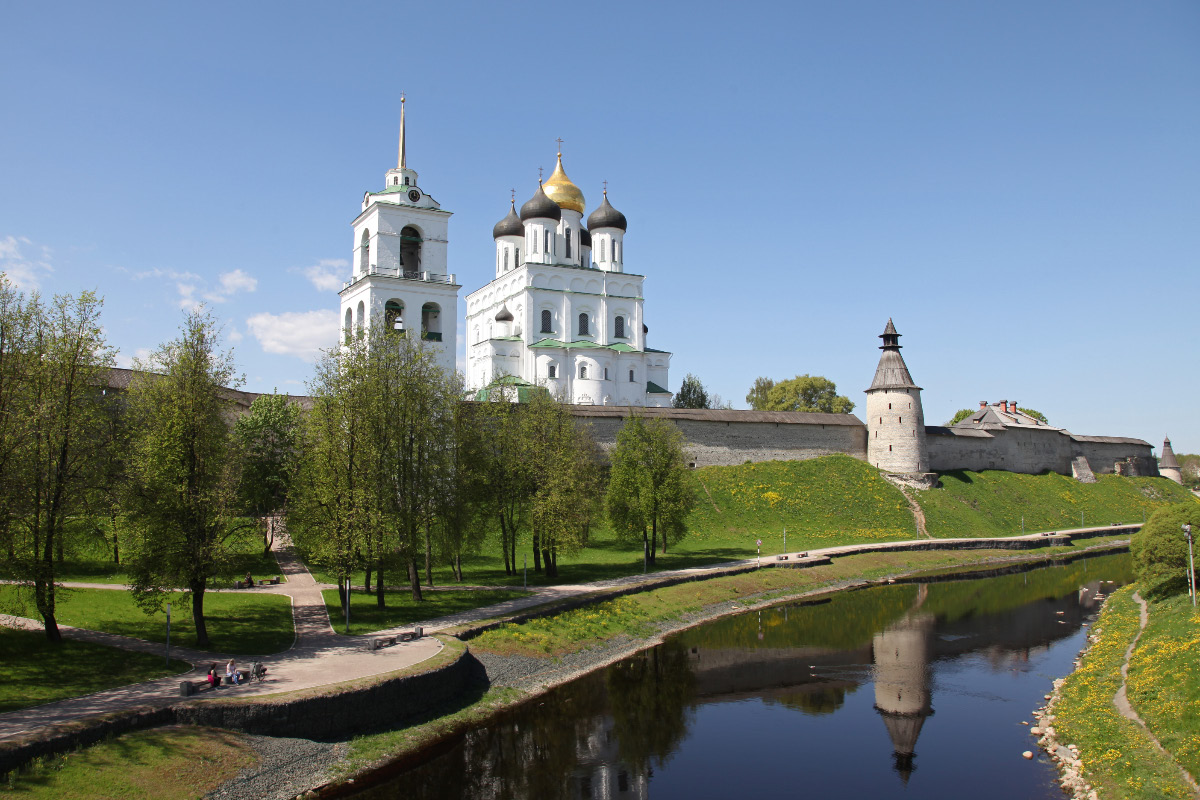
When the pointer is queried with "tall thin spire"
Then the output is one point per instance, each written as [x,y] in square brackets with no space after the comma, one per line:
[400,160]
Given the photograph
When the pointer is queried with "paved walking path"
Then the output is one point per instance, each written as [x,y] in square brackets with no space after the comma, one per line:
[319,656]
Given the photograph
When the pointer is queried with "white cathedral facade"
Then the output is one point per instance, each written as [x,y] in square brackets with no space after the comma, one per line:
[561,312]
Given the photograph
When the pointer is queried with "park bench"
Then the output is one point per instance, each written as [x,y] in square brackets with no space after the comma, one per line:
[379,642]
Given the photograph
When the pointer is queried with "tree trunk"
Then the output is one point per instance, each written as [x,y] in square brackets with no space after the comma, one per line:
[197,588]
[379,593]
[653,539]
[551,562]
[513,545]
[504,544]
[367,580]
[537,553]
[414,579]
[343,597]
[428,556]
[43,593]
[458,566]
[116,550]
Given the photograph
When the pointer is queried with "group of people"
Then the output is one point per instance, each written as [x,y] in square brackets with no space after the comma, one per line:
[232,674]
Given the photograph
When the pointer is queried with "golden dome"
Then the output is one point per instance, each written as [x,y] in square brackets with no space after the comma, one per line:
[560,189]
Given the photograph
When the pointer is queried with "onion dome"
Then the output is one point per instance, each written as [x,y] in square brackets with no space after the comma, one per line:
[560,189]
[541,207]
[510,225]
[585,238]
[606,217]
[504,315]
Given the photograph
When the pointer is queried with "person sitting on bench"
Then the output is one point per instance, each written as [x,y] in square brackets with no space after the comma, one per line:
[249,581]
[231,673]
[212,677]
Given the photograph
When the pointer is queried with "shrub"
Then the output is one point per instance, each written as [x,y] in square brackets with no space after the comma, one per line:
[1160,550]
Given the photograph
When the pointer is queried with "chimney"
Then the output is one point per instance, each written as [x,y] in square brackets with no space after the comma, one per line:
[1003,405]
[1014,407]
[982,405]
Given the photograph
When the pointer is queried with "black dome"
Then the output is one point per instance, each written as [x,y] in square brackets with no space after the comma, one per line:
[585,238]
[510,225]
[504,315]
[541,207]
[605,217]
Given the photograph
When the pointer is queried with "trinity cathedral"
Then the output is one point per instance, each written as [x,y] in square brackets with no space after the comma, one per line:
[562,312]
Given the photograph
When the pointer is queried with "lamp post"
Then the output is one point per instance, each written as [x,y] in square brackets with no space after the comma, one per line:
[1187,531]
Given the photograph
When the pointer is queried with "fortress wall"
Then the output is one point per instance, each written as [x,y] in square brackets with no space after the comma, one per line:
[726,442]
[1103,456]
[1028,451]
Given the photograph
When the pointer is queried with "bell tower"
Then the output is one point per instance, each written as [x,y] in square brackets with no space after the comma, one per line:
[895,419]
[399,277]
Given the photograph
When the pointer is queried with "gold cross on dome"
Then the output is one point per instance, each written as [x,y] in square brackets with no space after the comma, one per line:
[606,188]
[559,140]
[514,194]
[539,174]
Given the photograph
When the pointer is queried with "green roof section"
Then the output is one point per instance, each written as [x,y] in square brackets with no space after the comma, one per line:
[506,338]
[525,390]
[653,350]
[654,388]
[619,347]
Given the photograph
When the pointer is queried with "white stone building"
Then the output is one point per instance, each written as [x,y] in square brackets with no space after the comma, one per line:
[400,278]
[895,419]
[562,312]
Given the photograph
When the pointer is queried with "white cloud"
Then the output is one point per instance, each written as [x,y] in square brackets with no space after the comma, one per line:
[25,270]
[237,281]
[187,297]
[235,336]
[296,333]
[141,354]
[328,274]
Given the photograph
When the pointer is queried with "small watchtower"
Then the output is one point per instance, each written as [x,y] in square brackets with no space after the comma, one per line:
[895,419]
[1168,465]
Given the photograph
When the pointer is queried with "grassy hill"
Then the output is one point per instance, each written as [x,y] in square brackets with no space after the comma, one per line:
[992,503]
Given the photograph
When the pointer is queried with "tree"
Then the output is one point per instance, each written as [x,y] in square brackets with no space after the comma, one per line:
[1160,549]
[649,491]
[60,439]
[268,438]
[181,497]
[1039,416]
[807,393]
[691,394]
[959,416]
[757,396]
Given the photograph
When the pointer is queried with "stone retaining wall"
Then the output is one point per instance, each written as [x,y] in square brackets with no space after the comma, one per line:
[333,714]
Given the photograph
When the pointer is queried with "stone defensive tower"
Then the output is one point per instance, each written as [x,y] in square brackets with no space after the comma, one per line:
[1168,465]
[895,419]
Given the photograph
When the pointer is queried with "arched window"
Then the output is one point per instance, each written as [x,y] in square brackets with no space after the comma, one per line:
[393,315]
[547,322]
[583,372]
[617,252]
[568,253]
[517,258]
[431,326]
[364,253]
[583,325]
[606,373]
[406,181]
[619,328]
[533,240]
[361,321]
[349,328]
[631,376]
[551,371]
[545,240]
[410,251]
[506,259]
[601,249]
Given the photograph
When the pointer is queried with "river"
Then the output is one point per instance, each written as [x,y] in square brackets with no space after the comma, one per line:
[904,690]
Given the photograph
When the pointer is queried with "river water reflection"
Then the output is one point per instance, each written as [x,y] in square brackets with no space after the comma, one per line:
[906,690]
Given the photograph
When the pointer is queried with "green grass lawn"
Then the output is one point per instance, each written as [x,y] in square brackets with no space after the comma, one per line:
[401,609]
[992,503]
[1164,680]
[88,558]
[249,624]
[37,671]
[160,764]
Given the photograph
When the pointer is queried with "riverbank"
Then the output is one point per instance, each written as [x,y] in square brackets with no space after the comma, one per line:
[519,676]
[1101,753]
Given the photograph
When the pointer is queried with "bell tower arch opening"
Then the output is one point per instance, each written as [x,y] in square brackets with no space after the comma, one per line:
[410,251]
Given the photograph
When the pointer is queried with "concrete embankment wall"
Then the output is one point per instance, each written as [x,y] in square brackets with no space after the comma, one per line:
[333,713]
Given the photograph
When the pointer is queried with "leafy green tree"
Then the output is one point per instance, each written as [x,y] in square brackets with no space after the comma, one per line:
[651,695]
[1160,549]
[959,416]
[61,440]
[16,360]
[268,437]
[650,494]
[757,396]
[691,394]
[807,393]
[181,497]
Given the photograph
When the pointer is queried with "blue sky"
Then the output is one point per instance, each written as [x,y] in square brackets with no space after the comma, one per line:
[1016,184]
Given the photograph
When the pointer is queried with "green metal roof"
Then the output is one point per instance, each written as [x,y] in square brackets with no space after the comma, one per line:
[525,389]
[619,347]
[654,388]
[506,338]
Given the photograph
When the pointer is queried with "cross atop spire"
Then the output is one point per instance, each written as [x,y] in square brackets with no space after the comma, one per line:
[400,158]
[539,174]
[605,188]
[514,195]
[560,141]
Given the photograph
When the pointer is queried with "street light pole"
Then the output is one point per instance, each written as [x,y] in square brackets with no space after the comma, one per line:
[1187,531]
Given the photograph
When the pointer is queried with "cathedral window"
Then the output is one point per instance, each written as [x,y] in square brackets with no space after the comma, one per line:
[601,249]
[361,321]
[506,259]
[583,325]
[410,251]
[617,252]
[547,322]
[631,376]
[364,253]
[349,328]
[517,257]
[545,240]
[568,238]
[552,371]
[606,373]
[393,315]
[583,372]
[406,181]
[619,328]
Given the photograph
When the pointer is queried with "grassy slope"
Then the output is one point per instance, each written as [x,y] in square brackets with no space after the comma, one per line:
[250,624]
[37,672]
[1118,759]
[1164,680]
[166,763]
[401,609]
[992,503]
